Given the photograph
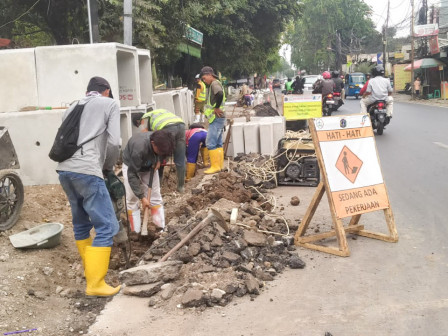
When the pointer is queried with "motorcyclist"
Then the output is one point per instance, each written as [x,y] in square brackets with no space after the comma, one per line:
[325,86]
[379,88]
[297,85]
[288,86]
[338,82]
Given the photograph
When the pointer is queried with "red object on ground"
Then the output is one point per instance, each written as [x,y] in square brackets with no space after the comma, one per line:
[4,42]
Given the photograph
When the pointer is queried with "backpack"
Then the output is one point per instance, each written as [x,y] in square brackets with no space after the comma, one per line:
[66,141]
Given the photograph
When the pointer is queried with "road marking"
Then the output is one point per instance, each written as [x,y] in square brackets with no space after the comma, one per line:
[441,145]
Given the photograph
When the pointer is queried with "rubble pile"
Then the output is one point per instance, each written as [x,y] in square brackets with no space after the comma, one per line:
[265,110]
[221,261]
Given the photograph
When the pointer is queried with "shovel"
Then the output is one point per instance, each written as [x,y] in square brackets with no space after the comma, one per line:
[146,214]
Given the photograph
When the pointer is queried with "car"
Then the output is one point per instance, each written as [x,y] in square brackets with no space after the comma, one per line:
[309,81]
[276,83]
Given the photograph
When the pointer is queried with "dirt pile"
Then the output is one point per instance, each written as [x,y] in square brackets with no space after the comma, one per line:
[219,264]
[265,110]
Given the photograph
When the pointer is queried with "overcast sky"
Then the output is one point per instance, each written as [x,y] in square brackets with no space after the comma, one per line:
[400,13]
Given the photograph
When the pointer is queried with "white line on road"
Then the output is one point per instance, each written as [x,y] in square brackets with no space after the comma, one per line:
[441,145]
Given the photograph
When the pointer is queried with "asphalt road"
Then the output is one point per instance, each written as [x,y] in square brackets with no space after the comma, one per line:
[381,289]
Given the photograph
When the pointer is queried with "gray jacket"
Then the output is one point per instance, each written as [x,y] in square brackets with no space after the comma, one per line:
[139,157]
[101,118]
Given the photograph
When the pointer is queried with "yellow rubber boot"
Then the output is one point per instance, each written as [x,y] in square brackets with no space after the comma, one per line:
[205,156]
[215,162]
[81,245]
[191,170]
[97,264]
[221,157]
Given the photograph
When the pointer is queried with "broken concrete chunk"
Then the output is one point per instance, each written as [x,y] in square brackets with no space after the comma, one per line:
[254,238]
[231,257]
[167,291]
[143,290]
[263,276]
[251,284]
[194,249]
[217,294]
[193,298]
[295,262]
[151,273]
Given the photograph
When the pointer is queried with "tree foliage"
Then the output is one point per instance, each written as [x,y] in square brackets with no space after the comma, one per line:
[240,36]
[314,37]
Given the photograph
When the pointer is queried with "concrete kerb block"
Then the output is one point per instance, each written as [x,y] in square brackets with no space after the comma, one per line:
[251,137]
[267,143]
[145,76]
[236,143]
[63,72]
[18,79]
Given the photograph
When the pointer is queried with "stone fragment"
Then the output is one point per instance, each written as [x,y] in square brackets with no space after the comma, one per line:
[217,294]
[216,242]
[151,273]
[238,244]
[231,288]
[206,246]
[231,257]
[193,298]
[295,201]
[146,290]
[254,238]
[249,253]
[295,262]
[251,284]
[167,291]
[263,276]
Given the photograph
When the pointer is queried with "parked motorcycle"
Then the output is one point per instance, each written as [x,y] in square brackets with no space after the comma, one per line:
[328,105]
[11,186]
[378,116]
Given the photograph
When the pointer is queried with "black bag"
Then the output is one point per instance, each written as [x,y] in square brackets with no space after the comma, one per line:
[66,141]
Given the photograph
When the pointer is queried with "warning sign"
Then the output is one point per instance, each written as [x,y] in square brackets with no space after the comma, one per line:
[348,164]
[351,163]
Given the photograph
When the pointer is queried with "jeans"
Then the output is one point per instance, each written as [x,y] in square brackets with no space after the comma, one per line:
[196,141]
[91,207]
[214,135]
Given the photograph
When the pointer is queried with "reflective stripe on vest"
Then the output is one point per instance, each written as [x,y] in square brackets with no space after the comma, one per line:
[209,109]
[160,118]
[202,92]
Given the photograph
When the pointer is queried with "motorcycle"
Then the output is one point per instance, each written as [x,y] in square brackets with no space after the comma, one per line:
[378,116]
[328,105]
[337,100]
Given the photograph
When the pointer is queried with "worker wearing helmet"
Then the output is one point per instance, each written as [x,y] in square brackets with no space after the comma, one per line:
[378,88]
[199,99]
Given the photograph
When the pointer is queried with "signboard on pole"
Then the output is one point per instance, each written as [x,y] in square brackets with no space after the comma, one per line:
[401,77]
[301,107]
[426,30]
[194,35]
[434,45]
[352,178]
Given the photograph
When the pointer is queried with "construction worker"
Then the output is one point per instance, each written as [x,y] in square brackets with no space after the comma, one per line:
[215,113]
[164,119]
[195,138]
[82,178]
[199,100]
[143,153]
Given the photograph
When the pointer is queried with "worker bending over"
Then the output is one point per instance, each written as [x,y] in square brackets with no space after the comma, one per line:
[195,138]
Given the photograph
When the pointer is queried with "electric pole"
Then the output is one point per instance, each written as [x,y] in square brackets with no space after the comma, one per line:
[127,22]
[94,33]
[412,49]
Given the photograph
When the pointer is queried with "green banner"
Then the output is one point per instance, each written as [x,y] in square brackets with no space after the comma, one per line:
[189,49]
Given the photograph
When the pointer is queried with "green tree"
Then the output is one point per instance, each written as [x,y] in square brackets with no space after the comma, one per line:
[314,38]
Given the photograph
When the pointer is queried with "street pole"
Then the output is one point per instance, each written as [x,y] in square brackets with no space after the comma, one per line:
[127,22]
[385,58]
[412,49]
[92,8]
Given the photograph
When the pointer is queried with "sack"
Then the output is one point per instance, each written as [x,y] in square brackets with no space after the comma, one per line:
[66,142]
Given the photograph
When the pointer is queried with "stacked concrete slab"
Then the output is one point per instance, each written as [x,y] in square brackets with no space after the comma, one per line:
[259,135]
[58,75]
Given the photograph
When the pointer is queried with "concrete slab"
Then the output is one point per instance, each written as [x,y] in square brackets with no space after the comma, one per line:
[18,83]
